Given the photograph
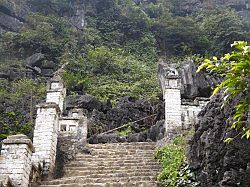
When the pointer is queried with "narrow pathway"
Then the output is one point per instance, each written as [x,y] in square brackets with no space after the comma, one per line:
[111,165]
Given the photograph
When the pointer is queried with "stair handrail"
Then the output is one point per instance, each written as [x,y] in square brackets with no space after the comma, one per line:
[125,125]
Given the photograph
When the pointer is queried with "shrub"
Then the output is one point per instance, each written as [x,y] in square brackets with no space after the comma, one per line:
[175,170]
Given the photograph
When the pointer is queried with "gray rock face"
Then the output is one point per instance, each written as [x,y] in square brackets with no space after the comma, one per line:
[12,14]
[189,6]
[35,60]
[78,18]
[9,23]
[216,163]
[193,84]
[196,84]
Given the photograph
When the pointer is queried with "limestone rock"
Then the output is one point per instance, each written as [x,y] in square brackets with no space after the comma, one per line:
[196,84]
[215,162]
[10,23]
[154,133]
[35,60]
[88,102]
[12,14]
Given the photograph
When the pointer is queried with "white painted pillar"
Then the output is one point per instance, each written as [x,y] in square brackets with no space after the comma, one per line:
[56,92]
[172,97]
[45,136]
[16,161]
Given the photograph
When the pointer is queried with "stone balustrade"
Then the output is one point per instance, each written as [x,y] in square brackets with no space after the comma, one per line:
[15,160]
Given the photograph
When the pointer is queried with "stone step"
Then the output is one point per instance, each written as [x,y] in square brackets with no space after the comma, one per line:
[87,179]
[118,152]
[102,168]
[123,146]
[105,154]
[115,184]
[124,160]
[146,172]
[113,157]
[111,163]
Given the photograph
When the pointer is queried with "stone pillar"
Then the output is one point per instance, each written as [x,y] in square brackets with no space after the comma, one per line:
[16,161]
[172,97]
[45,137]
[74,124]
[56,92]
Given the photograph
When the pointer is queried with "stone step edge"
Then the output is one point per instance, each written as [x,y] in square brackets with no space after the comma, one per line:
[106,183]
[85,178]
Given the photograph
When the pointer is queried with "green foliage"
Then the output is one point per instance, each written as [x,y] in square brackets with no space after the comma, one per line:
[10,124]
[125,132]
[109,74]
[46,34]
[20,96]
[115,55]
[222,27]
[235,68]
[175,172]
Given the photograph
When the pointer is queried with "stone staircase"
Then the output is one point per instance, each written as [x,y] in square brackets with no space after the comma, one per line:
[111,165]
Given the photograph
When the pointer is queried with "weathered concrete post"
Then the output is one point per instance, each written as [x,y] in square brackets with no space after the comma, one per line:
[56,92]
[172,97]
[16,161]
[45,137]
[47,127]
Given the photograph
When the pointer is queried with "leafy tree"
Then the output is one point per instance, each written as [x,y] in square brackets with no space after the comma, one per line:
[46,34]
[222,27]
[235,68]
[179,36]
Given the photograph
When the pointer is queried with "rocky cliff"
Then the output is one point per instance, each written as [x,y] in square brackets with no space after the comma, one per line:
[13,13]
[189,6]
[193,84]
[216,163]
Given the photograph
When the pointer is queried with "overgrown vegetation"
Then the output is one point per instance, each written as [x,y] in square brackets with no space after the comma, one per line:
[125,131]
[235,68]
[18,101]
[175,171]
[115,54]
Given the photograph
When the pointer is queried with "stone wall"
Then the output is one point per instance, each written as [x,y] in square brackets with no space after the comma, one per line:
[72,138]
[190,111]
[15,160]
[47,126]
[45,136]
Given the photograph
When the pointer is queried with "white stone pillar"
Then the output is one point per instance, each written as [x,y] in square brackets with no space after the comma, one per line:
[45,136]
[16,161]
[172,97]
[56,92]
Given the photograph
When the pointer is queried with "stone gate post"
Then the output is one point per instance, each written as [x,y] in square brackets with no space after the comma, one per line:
[171,87]
[16,161]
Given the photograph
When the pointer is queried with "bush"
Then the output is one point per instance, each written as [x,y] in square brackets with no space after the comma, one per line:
[175,170]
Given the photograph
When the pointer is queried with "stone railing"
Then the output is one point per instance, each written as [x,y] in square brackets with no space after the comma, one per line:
[16,161]
[5,181]
[24,163]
